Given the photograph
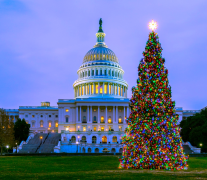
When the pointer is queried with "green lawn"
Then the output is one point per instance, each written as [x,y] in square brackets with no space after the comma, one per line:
[89,167]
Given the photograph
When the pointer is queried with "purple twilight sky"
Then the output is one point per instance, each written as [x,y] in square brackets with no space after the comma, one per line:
[43,42]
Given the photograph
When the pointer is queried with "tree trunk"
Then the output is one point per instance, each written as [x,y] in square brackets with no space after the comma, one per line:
[1,150]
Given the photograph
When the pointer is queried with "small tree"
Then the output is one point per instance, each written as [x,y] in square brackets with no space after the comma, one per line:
[6,130]
[21,130]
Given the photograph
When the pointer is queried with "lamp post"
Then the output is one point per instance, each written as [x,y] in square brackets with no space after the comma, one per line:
[16,147]
[201,144]
[7,148]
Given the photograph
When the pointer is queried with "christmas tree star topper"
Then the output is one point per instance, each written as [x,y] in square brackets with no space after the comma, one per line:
[153,25]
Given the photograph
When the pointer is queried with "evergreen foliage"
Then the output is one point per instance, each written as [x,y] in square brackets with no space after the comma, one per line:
[194,130]
[21,130]
[152,139]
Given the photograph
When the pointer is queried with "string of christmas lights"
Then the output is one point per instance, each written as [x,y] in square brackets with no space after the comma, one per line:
[152,139]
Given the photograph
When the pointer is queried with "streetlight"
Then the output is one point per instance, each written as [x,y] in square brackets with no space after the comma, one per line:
[77,147]
[201,144]
[41,139]
[7,148]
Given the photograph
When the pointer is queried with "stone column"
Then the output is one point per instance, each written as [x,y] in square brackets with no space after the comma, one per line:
[108,88]
[94,88]
[87,114]
[91,118]
[98,88]
[127,111]
[80,115]
[98,114]
[126,92]
[117,90]
[116,113]
[76,114]
[113,90]
[106,119]
[89,89]
[86,85]
[103,89]
[114,120]
[81,91]
[124,115]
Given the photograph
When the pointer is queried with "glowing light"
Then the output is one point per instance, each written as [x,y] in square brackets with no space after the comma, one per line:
[153,25]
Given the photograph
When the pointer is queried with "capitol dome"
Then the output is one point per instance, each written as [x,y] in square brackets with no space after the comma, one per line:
[100,74]
[101,53]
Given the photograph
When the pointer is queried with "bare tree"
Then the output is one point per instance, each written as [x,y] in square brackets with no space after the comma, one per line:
[6,130]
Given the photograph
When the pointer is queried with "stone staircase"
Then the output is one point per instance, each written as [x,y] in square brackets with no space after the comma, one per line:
[187,149]
[49,144]
[33,143]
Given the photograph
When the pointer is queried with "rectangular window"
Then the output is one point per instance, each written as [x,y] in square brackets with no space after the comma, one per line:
[56,124]
[84,110]
[49,115]
[84,128]
[120,128]
[94,128]
[66,119]
[92,89]
[26,115]
[105,89]
[50,124]
[41,115]
[56,116]
[102,128]
[102,119]
[33,124]
[92,72]
[96,88]
[96,72]
[33,116]
[101,72]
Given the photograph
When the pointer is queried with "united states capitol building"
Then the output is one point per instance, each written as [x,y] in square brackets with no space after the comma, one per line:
[95,119]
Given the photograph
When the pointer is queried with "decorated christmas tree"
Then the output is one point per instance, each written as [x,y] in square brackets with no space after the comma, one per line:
[152,139]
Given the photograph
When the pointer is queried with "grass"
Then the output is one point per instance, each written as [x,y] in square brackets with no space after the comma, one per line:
[89,167]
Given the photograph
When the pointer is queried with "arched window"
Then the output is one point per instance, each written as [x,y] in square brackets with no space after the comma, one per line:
[83,74]
[49,124]
[92,72]
[96,150]
[102,119]
[94,119]
[73,139]
[89,73]
[41,123]
[96,72]
[113,150]
[56,123]
[105,72]
[89,150]
[114,139]
[104,139]
[109,73]
[109,120]
[66,119]
[120,150]
[101,72]
[83,139]
[94,139]
[84,119]
[112,73]
[118,74]
[94,57]
[107,57]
